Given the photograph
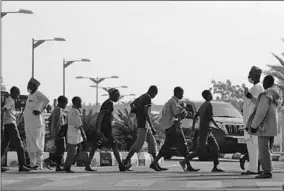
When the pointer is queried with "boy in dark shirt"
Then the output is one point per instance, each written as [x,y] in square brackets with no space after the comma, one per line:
[141,107]
[103,134]
[207,142]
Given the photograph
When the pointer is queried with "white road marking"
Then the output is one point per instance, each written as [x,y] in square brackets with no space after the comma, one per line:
[204,184]
[136,183]
[8,182]
[269,184]
[63,183]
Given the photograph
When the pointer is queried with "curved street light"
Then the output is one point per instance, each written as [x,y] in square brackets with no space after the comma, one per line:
[36,43]
[97,81]
[23,11]
[68,63]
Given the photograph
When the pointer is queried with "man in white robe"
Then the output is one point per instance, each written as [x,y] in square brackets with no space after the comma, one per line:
[248,108]
[35,124]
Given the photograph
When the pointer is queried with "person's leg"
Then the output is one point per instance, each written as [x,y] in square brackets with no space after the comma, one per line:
[71,152]
[265,158]
[253,154]
[5,141]
[121,166]
[136,147]
[18,144]
[60,148]
[152,150]
[4,146]
[214,152]
[90,158]
[166,146]
[182,146]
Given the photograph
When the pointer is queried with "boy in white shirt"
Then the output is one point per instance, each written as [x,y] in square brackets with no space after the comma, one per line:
[74,135]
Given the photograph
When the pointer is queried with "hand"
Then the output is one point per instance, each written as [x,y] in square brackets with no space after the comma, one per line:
[253,130]
[36,112]
[249,95]
[154,132]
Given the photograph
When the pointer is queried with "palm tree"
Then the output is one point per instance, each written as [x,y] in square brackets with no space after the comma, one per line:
[278,71]
[125,128]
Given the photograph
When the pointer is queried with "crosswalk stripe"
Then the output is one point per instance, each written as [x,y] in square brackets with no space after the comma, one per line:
[269,184]
[8,182]
[136,183]
[62,183]
[204,184]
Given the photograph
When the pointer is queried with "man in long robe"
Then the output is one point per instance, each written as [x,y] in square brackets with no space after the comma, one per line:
[35,124]
[248,108]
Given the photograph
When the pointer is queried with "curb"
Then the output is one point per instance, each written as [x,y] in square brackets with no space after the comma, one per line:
[102,158]
[275,157]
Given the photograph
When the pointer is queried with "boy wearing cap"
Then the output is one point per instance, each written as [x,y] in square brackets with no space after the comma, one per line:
[11,132]
[103,135]
[35,124]
[248,107]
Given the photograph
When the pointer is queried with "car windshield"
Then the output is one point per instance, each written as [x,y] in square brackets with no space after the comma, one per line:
[223,109]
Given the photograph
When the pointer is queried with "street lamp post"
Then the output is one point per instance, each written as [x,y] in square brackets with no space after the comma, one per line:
[107,88]
[97,81]
[36,43]
[66,64]
[23,11]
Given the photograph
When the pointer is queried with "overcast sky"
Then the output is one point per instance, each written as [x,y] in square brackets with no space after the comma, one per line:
[162,43]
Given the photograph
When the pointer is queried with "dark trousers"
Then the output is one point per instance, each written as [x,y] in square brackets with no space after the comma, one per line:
[71,155]
[174,138]
[11,136]
[207,146]
[58,155]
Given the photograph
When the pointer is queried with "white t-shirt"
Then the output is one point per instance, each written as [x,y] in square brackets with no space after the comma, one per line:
[74,122]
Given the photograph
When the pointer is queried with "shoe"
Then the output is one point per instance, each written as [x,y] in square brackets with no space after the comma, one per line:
[3,169]
[191,169]
[183,165]
[59,169]
[46,165]
[35,168]
[154,167]
[127,165]
[248,173]
[122,168]
[89,169]
[217,170]
[24,169]
[264,176]
[161,168]
[242,163]
[68,171]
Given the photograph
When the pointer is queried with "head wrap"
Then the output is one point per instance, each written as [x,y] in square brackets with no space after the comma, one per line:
[35,82]
[255,72]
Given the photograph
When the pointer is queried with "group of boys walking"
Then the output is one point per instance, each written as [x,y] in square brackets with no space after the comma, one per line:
[67,128]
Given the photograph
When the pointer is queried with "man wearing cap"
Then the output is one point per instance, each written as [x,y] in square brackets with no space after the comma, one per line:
[103,135]
[35,124]
[248,108]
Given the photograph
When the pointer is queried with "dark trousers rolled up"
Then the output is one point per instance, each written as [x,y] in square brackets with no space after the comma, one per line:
[11,136]
[174,138]
[57,156]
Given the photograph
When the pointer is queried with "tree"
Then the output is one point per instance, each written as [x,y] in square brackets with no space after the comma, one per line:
[228,92]
[277,71]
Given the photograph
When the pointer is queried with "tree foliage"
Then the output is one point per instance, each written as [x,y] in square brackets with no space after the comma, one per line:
[228,92]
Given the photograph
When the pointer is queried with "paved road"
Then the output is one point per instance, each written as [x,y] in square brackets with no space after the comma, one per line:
[143,178]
